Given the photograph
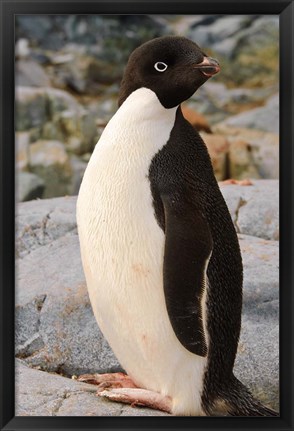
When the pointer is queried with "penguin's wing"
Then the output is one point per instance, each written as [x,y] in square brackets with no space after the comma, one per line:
[188,246]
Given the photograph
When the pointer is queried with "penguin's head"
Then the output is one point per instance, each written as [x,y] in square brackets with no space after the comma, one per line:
[173,67]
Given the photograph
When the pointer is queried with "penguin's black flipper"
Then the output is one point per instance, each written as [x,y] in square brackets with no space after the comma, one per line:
[188,245]
[240,402]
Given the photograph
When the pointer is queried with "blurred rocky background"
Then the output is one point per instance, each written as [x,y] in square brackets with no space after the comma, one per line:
[68,70]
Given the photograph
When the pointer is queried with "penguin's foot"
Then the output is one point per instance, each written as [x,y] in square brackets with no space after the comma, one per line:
[245,182]
[138,397]
[110,380]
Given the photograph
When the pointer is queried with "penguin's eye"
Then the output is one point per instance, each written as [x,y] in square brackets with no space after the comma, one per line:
[160,66]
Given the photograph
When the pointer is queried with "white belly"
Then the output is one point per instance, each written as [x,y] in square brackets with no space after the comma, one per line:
[122,250]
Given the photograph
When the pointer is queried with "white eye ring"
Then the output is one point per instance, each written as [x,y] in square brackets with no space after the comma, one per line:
[160,66]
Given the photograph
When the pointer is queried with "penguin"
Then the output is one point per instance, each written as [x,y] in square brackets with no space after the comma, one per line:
[159,249]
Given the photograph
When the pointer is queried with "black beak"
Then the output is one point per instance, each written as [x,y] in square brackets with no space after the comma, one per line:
[209,66]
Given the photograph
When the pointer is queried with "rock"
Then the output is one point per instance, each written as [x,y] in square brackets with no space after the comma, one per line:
[49,160]
[264,118]
[41,222]
[219,30]
[31,108]
[35,28]
[28,186]
[263,32]
[218,148]
[55,326]
[219,103]
[22,141]
[85,74]
[67,332]
[254,209]
[52,114]
[22,49]
[258,352]
[197,120]
[236,35]
[241,163]
[263,147]
[44,394]
[60,101]
[31,74]
[78,167]
[115,36]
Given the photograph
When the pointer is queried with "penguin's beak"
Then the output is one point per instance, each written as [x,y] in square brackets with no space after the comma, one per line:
[208,67]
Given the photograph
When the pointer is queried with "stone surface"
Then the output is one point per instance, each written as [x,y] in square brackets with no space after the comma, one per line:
[218,147]
[31,74]
[254,209]
[78,167]
[197,120]
[40,222]
[264,118]
[257,362]
[263,148]
[50,161]
[57,332]
[22,141]
[28,186]
[44,394]
[240,161]
[53,114]
[31,108]
[218,30]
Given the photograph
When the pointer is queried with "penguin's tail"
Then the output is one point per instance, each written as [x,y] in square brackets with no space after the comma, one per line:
[240,402]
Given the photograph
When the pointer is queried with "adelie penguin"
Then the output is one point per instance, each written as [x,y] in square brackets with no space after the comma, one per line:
[159,249]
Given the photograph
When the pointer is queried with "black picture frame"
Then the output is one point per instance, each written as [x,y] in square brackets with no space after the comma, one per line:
[9,9]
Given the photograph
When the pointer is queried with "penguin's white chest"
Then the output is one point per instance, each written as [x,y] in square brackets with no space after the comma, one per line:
[122,249]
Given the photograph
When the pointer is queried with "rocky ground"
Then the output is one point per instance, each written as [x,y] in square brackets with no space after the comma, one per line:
[57,337]
[68,70]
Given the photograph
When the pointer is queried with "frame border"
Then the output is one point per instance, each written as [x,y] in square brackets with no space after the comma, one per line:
[8,10]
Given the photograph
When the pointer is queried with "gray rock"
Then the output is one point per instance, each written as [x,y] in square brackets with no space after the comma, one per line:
[50,161]
[40,222]
[22,49]
[72,342]
[263,32]
[231,36]
[52,114]
[257,362]
[22,141]
[55,326]
[35,27]
[43,394]
[220,29]
[31,108]
[254,209]
[263,118]
[262,149]
[78,168]
[220,103]
[240,163]
[28,186]
[31,74]
[87,74]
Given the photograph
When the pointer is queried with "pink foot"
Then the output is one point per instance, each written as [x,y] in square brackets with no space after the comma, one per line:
[245,182]
[138,397]
[121,388]
[111,380]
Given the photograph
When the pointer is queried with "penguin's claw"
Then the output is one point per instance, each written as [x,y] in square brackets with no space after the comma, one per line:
[109,380]
[138,397]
